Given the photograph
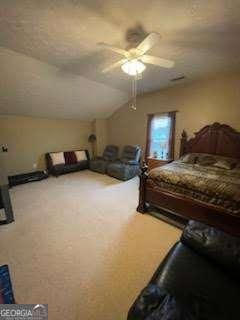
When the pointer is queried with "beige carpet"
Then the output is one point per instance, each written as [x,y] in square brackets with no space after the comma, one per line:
[79,245]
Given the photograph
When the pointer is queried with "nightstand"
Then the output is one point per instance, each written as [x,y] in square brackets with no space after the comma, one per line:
[154,163]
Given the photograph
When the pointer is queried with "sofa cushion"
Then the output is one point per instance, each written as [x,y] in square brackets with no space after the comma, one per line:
[81,155]
[70,157]
[98,165]
[122,171]
[57,158]
[61,168]
[76,166]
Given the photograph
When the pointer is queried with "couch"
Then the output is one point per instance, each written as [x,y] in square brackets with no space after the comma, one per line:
[128,166]
[100,164]
[62,162]
[198,279]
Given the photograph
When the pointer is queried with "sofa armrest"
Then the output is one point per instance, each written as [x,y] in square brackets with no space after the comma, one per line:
[49,164]
[130,162]
[148,300]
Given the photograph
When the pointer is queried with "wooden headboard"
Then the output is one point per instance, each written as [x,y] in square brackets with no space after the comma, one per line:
[219,139]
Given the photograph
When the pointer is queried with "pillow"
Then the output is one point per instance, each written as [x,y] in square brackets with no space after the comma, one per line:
[81,155]
[189,158]
[206,159]
[70,157]
[224,164]
[57,158]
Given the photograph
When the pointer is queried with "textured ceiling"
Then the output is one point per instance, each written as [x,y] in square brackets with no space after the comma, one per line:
[62,74]
[31,87]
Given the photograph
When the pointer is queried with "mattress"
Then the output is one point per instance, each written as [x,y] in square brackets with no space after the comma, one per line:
[209,184]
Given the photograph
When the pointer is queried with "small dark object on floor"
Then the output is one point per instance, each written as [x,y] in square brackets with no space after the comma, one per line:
[27,177]
[6,291]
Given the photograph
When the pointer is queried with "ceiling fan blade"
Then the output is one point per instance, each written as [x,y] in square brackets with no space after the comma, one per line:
[148,42]
[157,61]
[114,65]
[115,49]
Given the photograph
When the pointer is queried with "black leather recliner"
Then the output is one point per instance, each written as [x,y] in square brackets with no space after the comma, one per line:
[198,280]
[100,164]
[128,166]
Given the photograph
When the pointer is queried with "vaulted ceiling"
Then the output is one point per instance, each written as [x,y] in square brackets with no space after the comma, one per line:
[51,64]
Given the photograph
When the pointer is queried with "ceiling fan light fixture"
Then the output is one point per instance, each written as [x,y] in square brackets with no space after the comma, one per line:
[133,67]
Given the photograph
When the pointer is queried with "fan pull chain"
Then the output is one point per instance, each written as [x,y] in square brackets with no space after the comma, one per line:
[133,103]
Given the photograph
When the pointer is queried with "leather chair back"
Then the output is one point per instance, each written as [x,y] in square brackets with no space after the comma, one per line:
[131,153]
[110,153]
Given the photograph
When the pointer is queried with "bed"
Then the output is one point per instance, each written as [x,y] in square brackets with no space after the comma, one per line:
[204,184]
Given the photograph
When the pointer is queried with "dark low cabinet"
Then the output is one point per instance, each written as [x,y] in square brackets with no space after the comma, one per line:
[6,205]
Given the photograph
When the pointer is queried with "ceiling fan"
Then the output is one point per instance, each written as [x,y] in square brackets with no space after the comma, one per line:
[134,61]
[134,58]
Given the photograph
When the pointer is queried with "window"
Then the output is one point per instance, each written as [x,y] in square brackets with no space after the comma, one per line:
[160,136]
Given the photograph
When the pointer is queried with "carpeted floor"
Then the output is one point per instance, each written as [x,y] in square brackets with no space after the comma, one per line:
[79,245]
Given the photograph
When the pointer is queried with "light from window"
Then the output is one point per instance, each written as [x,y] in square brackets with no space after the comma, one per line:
[160,136]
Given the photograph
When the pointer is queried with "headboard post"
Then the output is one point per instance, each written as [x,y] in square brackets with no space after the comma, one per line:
[183,143]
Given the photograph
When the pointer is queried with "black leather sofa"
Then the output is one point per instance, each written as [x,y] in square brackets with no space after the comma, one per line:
[68,166]
[199,279]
